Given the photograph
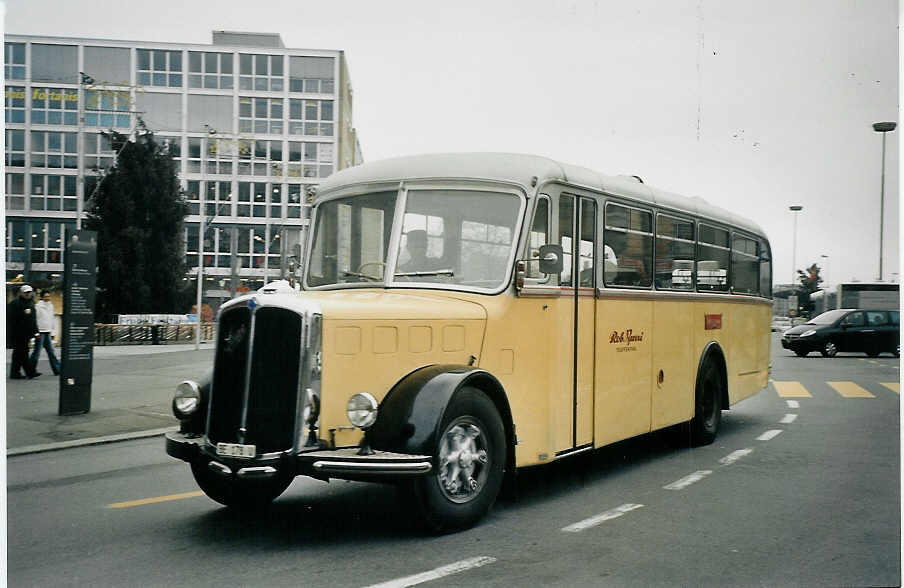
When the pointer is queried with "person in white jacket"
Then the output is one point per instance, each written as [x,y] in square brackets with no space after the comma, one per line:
[45,316]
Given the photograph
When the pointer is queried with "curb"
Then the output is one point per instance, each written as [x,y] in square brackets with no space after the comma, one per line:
[29,449]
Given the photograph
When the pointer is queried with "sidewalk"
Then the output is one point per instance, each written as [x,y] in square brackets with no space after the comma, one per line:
[131,397]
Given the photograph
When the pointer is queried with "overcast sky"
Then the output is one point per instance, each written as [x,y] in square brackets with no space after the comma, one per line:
[753,105]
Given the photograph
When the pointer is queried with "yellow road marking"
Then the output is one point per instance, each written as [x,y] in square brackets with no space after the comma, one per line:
[850,390]
[155,500]
[791,390]
[893,386]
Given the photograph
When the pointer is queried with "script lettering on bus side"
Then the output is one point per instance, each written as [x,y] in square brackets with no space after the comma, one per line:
[628,338]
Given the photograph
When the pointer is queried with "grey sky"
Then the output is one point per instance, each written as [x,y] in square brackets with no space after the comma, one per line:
[752,105]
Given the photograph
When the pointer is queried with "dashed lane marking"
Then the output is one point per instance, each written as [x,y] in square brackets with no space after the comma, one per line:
[893,386]
[793,404]
[769,435]
[687,480]
[850,390]
[735,456]
[155,500]
[788,419]
[791,390]
[601,518]
[435,574]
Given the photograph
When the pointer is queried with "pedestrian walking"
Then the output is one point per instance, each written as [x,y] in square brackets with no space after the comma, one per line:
[21,325]
[45,314]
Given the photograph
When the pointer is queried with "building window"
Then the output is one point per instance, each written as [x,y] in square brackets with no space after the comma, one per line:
[259,207]
[46,242]
[54,106]
[52,149]
[273,246]
[307,117]
[261,72]
[210,70]
[107,109]
[194,154]
[219,156]
[260,115]
[54,63]
[275,201]
[52,192]
[14,99]
[311,74]
[159,68]
[260,158]
[15,148]
[15,191]
[244,207]
[294,201]
[191,244]
[99,152]
[218,199]
[14,61]
[15,242]
[193,195]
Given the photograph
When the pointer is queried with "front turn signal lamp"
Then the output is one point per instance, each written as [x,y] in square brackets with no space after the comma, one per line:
[187,399]
[362,410]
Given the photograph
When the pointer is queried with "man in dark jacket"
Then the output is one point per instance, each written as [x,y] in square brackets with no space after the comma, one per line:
[21,326]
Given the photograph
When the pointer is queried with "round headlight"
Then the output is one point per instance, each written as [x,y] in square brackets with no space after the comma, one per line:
[362,410]
[187,399]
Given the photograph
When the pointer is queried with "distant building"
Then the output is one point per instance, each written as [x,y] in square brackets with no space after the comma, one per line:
[254,125]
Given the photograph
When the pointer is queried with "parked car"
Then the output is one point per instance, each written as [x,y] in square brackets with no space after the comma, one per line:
[781,324]
[869,331]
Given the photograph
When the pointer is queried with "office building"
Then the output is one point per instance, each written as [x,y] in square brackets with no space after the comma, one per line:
[254,125]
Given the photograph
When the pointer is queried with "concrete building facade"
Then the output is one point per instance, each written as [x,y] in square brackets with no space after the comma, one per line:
[254,125]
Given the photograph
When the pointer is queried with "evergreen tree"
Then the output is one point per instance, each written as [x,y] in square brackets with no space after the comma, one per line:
[809,284]
[138,210]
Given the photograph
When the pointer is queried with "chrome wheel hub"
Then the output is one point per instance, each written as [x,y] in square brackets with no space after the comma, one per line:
[463,460]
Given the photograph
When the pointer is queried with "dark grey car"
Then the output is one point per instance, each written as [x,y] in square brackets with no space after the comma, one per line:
[869,331]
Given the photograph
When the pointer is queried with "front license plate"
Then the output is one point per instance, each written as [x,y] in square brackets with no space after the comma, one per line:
[236,450]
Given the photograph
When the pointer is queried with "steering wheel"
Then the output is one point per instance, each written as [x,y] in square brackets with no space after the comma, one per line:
[379,264]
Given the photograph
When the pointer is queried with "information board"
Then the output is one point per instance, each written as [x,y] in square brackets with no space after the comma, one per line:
[79,280]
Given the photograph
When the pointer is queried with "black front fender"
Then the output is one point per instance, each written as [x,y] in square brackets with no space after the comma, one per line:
[411,413]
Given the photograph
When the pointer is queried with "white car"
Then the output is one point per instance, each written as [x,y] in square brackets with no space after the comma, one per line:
[781,324]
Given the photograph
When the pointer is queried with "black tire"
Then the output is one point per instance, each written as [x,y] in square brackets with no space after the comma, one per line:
[873,352]
[708,405]
[801,353]
[829,349]
[459,492]
[239,494]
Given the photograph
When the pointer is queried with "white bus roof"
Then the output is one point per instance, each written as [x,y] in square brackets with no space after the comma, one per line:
[522,169]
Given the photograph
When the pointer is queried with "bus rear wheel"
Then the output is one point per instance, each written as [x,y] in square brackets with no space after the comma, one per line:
[708,405]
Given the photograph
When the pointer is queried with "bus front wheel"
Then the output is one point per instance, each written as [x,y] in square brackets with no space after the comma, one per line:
[708,406]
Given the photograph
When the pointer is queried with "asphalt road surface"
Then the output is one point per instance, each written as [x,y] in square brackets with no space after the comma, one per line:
[801,488]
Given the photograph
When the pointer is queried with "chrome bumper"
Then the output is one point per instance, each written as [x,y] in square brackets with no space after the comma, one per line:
[343,463]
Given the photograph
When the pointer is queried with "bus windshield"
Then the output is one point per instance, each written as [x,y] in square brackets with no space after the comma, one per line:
[446,237]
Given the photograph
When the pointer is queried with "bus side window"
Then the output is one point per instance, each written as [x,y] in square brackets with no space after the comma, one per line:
[765,269]
[712,259]
[674,253]
[566,229]
[745,265]
[587,243]
[539,235]
[628,247]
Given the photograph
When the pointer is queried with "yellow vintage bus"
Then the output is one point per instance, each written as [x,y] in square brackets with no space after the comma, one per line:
[461,316]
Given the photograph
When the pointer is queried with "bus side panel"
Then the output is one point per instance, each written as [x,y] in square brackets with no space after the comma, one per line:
[673,356]
[624,351]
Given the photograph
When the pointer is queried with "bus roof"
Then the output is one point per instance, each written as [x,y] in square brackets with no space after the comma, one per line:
[522,169]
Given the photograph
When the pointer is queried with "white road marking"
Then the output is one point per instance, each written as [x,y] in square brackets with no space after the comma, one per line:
[435,574]
[687,480]
[768,435]
[735,456]
[793,404]
[600,518]
[788,419]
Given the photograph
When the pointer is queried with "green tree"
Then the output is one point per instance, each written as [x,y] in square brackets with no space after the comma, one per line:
[138,209]
[809,283]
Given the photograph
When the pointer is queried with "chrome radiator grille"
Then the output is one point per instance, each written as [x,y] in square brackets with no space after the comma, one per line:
[255,392]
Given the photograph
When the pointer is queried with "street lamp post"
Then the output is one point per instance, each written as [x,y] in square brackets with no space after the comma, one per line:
[882,127]
[826,281]
[795,209]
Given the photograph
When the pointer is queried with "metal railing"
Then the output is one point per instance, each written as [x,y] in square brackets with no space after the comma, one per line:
[147,334]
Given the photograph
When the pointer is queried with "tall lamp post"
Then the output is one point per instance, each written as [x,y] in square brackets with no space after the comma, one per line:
[826,281]
[882,127]
[795,209]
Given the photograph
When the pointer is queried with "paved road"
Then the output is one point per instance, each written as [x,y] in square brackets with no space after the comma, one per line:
[800,488]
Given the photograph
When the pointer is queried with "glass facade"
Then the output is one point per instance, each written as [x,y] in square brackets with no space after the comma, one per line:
[252,129]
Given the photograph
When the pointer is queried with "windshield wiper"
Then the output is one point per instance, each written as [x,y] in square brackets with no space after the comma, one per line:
[444,272]
[346,274]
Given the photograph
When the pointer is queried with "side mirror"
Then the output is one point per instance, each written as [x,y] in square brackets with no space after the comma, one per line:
[551,259]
